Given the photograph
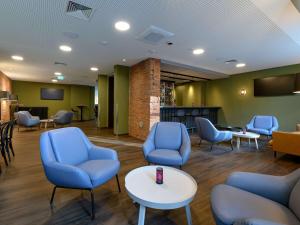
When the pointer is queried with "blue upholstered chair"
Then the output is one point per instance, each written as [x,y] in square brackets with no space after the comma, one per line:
[63,117]
[208,132]
[70,160]
[264,125]
[168,143]
[25,119]
[257,199]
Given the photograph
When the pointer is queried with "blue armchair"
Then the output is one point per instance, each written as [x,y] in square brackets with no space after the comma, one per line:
[264,125]
[25,119]
[63,117]
[208,132]
[168,143]
[257,199]
[70,160]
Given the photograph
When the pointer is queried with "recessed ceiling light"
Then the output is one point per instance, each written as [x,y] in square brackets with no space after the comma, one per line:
[65,48]
[198,51]
[239,65]
[54,80]
[122,26]
[17,57]
[57,73]
[124,60]
[94,69]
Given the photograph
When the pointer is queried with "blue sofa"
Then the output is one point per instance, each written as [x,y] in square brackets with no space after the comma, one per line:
[264,125]
[70,160]
[208,132]
[63,117]
[168,143]
[25,119]
[257,199]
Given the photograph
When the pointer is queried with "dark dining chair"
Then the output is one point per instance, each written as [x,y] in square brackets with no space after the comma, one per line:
[2,142]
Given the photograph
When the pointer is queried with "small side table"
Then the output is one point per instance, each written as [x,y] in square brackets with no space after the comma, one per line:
[45,122]
[178,190]
[247,135]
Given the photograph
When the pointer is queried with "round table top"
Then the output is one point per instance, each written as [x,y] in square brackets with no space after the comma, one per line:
[177,190]
[47,120]
[245,135]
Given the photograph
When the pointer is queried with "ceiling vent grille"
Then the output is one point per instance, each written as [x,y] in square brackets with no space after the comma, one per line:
[60,63]
[154,35]
[79,11]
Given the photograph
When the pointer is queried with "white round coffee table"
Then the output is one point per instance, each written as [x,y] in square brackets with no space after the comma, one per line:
[177,190]
[247,135]
[46,122]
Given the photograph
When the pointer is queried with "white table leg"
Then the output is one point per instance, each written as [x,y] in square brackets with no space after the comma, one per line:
[238,142]
[256,143]
[46,124]
[142,213]
[188,215]
[249,142]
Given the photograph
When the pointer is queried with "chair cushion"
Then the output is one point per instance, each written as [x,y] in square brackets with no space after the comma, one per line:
[168,136]
[264,122]
[260,131]
[165,157]
[231,204]
[100,171]
[295,199]
[68,146]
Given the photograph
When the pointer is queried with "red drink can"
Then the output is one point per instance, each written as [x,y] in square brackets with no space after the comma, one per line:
[159,175]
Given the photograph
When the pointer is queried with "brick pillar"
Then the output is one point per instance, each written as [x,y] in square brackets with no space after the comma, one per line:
[144,97]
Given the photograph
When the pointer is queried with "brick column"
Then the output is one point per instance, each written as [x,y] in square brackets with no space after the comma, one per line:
[144,97]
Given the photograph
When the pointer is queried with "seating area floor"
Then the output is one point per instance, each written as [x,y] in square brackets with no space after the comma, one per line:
[25,193]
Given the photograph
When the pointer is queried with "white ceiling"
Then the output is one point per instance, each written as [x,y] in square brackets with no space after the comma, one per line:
[261,33]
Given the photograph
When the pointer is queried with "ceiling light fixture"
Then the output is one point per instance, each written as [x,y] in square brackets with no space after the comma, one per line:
[198,51]
[124,60]
[17,57]
[60,77]
[122,26]
[239,65]
[57,73]
[54,80]
[65,48]
[94,69]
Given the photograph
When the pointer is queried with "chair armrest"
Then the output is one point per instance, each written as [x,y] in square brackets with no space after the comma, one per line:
[67,176]
[276,188]
[255,222]
[96,152]
[148,145]
[185,149]
[249,126]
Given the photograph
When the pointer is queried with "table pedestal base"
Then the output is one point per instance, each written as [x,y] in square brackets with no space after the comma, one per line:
[142,214]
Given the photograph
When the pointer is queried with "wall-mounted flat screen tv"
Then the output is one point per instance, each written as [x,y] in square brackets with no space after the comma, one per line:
[275,86]
[52,94]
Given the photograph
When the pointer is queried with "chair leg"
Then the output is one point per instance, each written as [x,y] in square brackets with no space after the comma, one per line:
[4,157]
[119,188]
[275,154]
[11,148]
[7,151]
[211,147]
[231,145]
[93,204]
[52,196]
[180,167]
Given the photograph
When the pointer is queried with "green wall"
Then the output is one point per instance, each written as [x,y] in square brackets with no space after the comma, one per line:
[102,101]
[121,99]
[29,95]
[237,110]
[190,94]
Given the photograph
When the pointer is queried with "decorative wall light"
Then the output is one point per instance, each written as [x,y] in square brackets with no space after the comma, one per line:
[243,92]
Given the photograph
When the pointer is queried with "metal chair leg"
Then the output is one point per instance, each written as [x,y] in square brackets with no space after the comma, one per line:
[11,148]
[93,204]
[52,196]
[119,188]
[231,145]
[4,157]
[211,147]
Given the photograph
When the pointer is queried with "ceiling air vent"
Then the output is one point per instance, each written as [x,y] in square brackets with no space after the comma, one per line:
[154,35]
[60,63]
[79,11]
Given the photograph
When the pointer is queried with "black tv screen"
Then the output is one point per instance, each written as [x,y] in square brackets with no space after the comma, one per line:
[275,86]
[52,94]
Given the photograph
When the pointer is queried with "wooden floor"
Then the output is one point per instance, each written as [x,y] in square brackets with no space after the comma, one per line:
[25,192]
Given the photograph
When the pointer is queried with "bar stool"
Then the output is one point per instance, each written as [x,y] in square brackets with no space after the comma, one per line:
[195,113]
[180,116]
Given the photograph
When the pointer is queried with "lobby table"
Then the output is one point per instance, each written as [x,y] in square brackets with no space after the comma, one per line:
[170,113]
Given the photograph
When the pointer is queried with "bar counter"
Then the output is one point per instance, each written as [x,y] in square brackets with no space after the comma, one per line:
[187,115]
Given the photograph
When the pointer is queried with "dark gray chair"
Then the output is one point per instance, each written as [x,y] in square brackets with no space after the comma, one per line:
[63,117]
[257,199]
